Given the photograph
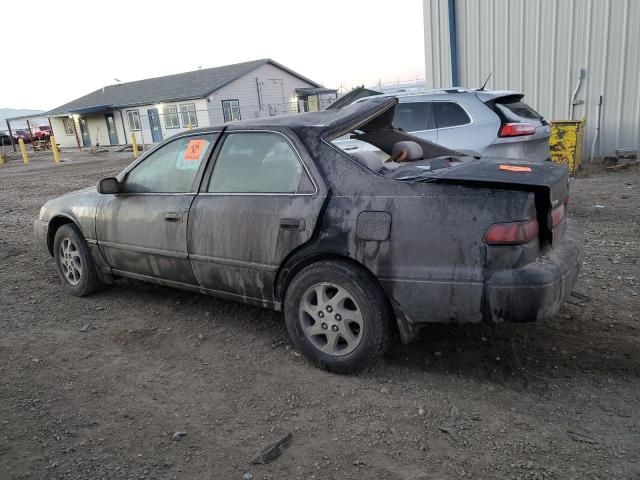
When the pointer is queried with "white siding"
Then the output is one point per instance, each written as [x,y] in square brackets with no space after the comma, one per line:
[97,125]
[144,136]
[277,97]
[537,47]
[277,94]
[62,138]
[437,54]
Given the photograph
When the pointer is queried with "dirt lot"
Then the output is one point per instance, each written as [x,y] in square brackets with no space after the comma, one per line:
[95,388]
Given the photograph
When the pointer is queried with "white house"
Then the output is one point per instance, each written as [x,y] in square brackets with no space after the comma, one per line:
[156,108]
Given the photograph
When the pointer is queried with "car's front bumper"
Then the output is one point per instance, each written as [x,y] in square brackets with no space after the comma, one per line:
[41,232]
[538,289]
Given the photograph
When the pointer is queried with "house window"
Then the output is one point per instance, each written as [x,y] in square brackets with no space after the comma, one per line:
[134,120]
[188,114]
[171,116]
[68,126]
[231,110]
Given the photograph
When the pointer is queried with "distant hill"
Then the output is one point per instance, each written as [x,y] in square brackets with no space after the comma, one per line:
[14,112]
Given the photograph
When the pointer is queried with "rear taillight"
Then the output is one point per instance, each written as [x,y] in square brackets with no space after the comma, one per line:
[513,233]
[516,129]
[557,215]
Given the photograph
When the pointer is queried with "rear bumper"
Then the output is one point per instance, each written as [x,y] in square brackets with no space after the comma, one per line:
[40,232]
[538,289]
[525,148]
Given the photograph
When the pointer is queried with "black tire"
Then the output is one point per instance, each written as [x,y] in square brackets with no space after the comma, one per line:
[68,238]
[360,293]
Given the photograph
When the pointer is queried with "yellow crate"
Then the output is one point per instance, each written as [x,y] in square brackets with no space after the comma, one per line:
[566,143]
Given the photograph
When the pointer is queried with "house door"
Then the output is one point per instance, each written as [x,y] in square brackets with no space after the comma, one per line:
[111,129]
[154,125]
[84,132]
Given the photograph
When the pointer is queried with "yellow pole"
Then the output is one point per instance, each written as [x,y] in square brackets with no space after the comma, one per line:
[23,149]
[134,144]
[190,126]
[54,147]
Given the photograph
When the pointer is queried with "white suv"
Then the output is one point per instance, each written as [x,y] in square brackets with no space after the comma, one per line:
[490,123]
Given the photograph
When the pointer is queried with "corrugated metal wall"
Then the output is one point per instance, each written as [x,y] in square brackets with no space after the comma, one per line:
[537,47]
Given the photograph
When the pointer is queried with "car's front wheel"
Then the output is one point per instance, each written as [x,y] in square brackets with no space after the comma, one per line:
[338,316]
[74,263]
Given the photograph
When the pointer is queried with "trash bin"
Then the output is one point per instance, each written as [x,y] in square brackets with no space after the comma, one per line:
[566,143]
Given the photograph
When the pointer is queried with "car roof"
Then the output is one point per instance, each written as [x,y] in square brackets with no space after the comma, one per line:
[448,93]
[322,121]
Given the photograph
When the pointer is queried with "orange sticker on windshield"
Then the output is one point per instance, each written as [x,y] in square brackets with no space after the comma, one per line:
[194,151]
[514,168]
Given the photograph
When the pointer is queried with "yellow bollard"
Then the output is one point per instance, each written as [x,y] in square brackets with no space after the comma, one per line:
[23,149]
[190,126]
[134,144]
[54,147]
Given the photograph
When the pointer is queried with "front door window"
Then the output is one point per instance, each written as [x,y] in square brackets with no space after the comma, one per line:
[172,168]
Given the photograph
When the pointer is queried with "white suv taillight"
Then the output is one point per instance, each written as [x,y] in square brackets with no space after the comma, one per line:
[516,129]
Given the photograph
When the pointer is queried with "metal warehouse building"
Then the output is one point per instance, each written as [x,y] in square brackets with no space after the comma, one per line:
[562,54]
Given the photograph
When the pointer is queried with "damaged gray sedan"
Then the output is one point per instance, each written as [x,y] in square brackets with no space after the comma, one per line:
[270,212]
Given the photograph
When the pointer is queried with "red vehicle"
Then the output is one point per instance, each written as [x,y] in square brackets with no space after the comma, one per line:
[23,134]
[43,132]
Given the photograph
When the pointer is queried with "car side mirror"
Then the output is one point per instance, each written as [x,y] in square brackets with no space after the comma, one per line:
[108,185]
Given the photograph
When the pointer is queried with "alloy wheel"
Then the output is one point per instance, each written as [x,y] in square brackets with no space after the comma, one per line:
[70,261]
[331,319]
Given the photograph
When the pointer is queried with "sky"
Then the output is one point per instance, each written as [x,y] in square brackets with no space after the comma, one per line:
[71,48]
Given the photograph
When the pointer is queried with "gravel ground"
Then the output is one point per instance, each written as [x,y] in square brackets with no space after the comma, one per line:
[96,388]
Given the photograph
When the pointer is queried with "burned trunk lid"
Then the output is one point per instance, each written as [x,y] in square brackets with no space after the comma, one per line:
[505,174]
[548,181]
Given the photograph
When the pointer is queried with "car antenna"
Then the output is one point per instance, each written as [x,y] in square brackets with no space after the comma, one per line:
[481,89]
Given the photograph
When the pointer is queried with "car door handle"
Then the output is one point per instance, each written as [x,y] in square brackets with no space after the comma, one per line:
[350,148]
[292,224]
[172,216]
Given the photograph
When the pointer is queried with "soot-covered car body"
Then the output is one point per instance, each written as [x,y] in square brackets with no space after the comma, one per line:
[270,212]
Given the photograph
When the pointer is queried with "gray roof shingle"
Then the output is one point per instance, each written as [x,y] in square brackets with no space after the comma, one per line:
[181,86]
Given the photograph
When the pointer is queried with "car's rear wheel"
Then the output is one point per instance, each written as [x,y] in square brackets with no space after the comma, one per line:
[338,316]
[74,263]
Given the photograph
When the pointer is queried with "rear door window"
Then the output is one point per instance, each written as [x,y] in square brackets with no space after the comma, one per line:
[450,114]
[413,117]
[258,162]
